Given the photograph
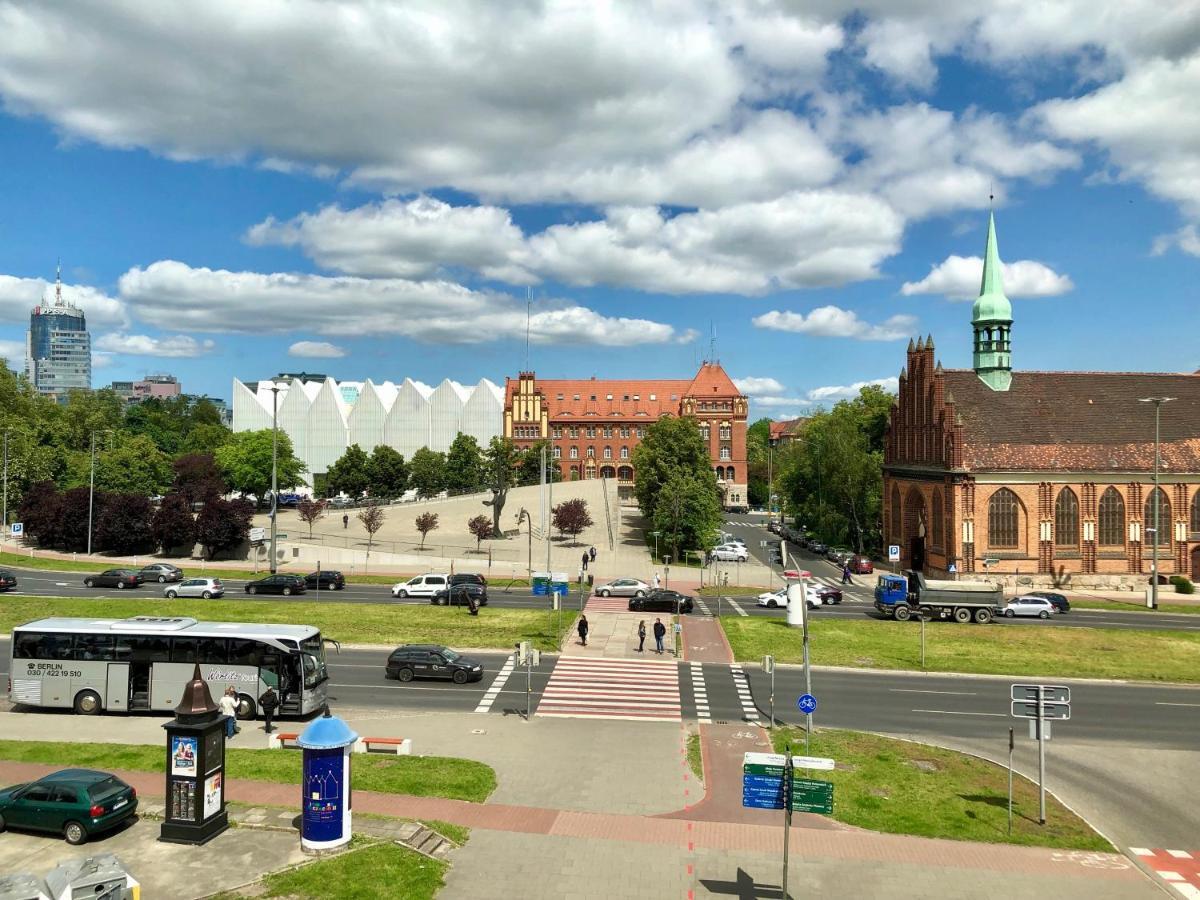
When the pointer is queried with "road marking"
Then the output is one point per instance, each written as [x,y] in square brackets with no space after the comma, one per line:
[919,691]
[950,712]
[1164,703]
[742,683]
[738,609]
[700,693]
[704,611]
[1180,854]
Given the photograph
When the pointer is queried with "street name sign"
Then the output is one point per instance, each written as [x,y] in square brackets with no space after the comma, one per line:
[811,796]
[1028,709]
[258,534]
[1051,693]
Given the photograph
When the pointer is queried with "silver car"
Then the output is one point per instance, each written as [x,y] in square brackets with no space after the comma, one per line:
[161,572]
[1030,606]
[206,588]
[623,587]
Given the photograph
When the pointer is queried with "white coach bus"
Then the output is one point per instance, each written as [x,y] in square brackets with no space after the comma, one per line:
[144,662]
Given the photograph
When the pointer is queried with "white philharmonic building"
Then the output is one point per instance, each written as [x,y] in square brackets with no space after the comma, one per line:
[324,417]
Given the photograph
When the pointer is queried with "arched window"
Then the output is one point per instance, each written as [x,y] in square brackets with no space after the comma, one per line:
[1112,518]
[896,513]
[1164,516]
[939,524]
[1004,520]
[1196,512]
[729,473]
[1066,519]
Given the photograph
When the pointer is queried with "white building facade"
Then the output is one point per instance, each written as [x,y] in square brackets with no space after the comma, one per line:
[324,418]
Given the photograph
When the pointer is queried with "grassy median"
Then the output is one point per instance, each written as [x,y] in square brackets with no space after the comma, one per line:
[421,776]
[371,869]
[903,787]
[360,623]
[982,649]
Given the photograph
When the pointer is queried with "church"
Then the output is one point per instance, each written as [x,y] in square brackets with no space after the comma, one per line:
[1042,478]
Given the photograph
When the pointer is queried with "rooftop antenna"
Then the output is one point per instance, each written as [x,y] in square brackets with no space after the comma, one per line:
[528,319]
[58,283]
[712,343]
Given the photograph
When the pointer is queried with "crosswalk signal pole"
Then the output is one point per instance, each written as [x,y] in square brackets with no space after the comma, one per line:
[1041,720]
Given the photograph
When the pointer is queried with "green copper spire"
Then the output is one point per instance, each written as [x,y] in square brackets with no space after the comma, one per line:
[991,318]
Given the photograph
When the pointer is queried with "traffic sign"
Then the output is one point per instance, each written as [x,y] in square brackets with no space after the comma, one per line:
[18,529]
[258,534]
[1028,709]
[813,762]
[1052,693]
[811,796]
[952,568]
[807,704]
[893,553]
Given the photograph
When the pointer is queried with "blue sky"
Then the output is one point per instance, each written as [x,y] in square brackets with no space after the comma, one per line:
[370,191]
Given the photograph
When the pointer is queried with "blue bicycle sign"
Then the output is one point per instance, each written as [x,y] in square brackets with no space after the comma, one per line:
[807,704]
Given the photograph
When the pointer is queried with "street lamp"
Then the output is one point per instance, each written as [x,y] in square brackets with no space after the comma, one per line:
[523,516]
[275,389]
[1158,402]
[655,534]
[91,482]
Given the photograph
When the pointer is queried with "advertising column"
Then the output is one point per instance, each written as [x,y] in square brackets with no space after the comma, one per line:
[325,822]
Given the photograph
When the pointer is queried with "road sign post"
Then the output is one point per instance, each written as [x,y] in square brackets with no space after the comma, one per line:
[1041,703]
[787,814]
[808,705]
[1010,756]
[768,665]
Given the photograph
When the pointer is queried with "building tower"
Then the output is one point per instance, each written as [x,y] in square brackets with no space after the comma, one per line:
[58,349]
[992,320]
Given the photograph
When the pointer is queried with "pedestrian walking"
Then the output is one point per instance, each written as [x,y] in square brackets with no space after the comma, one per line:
[582,628]
[846,574]
[642,636]
[592,553]
[585,560]
[345,520]
[660,632]
[656,581]
[269,702]
[229,704]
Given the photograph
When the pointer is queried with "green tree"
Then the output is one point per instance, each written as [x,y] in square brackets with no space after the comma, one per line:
[758,448]
[205,438]
[387,472]
[464,465]
[530,470]
[245,462]
[427,472]
[349,474]
[671,446]
[688,512]
[500,464]
[134,466]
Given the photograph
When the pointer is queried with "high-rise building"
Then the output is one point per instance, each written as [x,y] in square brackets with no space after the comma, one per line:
[58,349]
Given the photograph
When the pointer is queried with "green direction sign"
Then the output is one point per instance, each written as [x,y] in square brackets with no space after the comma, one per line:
[758,769]
[812,796]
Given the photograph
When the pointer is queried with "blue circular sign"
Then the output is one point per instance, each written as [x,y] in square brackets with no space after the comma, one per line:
[807,703]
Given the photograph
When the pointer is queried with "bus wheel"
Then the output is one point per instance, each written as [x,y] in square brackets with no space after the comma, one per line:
[245,707]
[87,703]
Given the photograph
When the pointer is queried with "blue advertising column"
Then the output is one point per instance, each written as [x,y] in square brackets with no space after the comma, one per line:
[325,784]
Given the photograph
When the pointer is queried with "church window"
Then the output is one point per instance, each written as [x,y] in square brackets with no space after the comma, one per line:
[1004,519]
[1196,512]
[1164,516]
[1111,516]
[1066,519]
[939,523]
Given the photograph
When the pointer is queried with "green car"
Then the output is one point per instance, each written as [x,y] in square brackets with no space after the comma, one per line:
[75,803]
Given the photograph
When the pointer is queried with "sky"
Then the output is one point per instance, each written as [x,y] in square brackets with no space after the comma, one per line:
[373,190]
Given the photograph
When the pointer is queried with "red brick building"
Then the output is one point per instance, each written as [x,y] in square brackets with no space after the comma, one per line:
[593,426]
[1049,474]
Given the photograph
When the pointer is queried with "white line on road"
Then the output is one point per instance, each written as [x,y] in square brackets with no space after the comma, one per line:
[490,695]
[737,608]
[1164,703]
[950,712]
[919,691]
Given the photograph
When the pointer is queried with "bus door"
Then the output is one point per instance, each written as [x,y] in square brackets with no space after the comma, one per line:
[117,694]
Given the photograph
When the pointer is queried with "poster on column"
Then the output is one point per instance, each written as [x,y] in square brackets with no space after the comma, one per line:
[324,797]
[212,794]
[183,755]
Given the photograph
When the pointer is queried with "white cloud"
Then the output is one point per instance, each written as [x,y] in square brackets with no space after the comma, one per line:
[832,321]
[102,360]
[959,277]
[780,402]
[835,392]
[174,346]
[1186,239]
[755,387]
[13,352]
[316,350]
[18,297]
[172,294]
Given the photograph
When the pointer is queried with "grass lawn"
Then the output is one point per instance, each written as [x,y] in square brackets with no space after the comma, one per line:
[368,870]
[695,759]
[364,623]
[983,649]
[905,788]
[422,776]
[457,833]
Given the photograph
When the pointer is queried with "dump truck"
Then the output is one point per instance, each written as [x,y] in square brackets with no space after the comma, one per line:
[904,596]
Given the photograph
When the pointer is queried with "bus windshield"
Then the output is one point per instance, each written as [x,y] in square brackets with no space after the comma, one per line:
[312,652]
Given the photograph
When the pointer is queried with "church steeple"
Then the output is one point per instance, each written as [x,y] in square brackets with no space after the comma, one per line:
[991,319]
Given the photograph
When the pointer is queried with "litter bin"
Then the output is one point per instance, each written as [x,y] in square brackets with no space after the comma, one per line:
[325,784]
[99,877]
[22,886]
[591,579]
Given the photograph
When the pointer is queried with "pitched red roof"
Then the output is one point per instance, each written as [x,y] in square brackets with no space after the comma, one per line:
[787,428]
[712,381]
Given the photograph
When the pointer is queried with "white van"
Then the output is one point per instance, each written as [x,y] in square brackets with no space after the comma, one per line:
[422,585]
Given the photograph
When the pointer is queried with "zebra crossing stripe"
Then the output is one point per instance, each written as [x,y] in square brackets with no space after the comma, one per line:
[749,712]
[704,610]
[737,608]
[490,695]
[700,692]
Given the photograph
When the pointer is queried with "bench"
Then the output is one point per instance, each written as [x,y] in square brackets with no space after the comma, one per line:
[277,740]
[399,746]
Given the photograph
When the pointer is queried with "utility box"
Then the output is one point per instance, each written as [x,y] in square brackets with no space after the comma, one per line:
[99,877]
[22,886]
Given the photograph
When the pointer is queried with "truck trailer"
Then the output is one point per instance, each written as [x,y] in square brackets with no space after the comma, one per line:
[903,596]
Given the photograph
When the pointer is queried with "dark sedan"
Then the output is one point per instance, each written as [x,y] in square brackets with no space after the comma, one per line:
[1061,603]
[325,580]
[75,803]
[118,578]
[461,594]
[662,600]
[431,661]
[8,580]
[826,595]
[277,584]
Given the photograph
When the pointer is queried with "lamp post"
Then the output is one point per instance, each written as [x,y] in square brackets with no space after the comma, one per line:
[274,469]
[655,534]
[91,482]
[523,516]
[1158,402]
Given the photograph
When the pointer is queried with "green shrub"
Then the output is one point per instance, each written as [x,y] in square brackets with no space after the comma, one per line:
[1183,584]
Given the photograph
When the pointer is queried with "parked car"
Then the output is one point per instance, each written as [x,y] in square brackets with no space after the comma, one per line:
[75,803]
[118,578]
[341,503]
[8,580]
[838,555]
[623,587]
[431,661]
[277,584]
[861,565]
[460,594]
[730,553]
[421,585]
[161,572]
[1028,605]
[326,579]
[1061,604]
[773,527]
[817,548]
[469,578]
[205,588]
[662,600]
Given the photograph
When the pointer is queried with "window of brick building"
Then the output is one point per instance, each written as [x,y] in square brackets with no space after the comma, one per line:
[590,431]
[1164,516]
[939,523]
[729,476]
[574,453]
[558,452]
[1196,512]
[624,453]
[573,431]
[725,453]
[895,513]
[558,431]
[608,431]
[608,452]
[1004,520]
[726,433]
[641,433]
[1111,519]
[624,431]
[1066,519]
[704,430]
[591,452]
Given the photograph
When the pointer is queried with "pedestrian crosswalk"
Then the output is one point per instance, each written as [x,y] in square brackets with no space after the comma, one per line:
[742,683]
[490,695]
[645,690]
[596,603]
[700,694]
[1178,868]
